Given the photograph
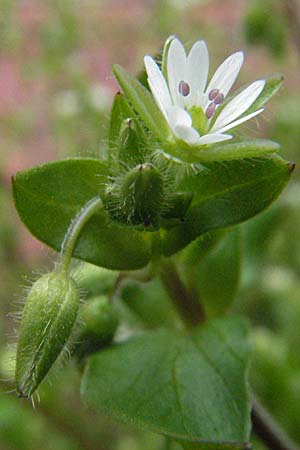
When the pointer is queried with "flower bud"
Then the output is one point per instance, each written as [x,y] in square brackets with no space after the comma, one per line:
[141,195]
[99,321]
[49,314]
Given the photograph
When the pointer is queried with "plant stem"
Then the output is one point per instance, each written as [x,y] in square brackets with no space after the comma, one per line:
[186,301]
[75,228]
[267,430]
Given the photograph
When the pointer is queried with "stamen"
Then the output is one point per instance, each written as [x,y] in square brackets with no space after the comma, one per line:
[184,88]
[219,99]
[213,94]
[210,110]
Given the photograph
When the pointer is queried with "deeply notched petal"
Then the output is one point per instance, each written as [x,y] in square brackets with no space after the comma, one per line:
[239,121]
[176,70]
[226,73]
[239,104]
[198,57]
[158,84]
[213,138]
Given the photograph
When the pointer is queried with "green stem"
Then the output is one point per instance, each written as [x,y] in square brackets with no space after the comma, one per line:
[185,300]
[75,228]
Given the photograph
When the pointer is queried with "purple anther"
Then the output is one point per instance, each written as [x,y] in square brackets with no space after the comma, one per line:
[210,110]
[219,99]
[184,88]
[213,94]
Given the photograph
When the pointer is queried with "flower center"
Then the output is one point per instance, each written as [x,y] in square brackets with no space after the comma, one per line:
[216,98]
[184,88]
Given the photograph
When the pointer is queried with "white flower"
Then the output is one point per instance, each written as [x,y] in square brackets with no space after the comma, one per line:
[186,101]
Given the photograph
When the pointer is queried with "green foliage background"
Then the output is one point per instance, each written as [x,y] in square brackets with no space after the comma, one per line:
[56,89]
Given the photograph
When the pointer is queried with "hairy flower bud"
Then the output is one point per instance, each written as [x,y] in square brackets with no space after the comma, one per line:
[137,197]
[141,195]
[49,314]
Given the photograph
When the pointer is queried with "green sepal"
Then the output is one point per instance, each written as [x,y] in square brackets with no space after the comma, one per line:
[132,146]
[143,103]
[120,111]
[232,150]
[250,148]
[272,86]
[164,60]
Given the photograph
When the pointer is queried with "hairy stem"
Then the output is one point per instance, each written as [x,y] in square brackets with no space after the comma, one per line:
[75,228]
[185,300]
[267,430]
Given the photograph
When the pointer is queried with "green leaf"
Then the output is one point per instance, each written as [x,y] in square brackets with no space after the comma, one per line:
[227,194]
[143,103]
[189,386]
[272,86]
[216,276]
[49,196]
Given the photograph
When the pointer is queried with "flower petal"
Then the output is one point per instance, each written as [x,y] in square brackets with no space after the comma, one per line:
[212,138]
[157,84]
[176,70]
[226,74]
[197,71]
[178,116]
[239,121]
[239,104]
[187,134]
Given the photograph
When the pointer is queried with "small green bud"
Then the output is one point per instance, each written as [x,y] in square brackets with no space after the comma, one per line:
[99,321]
[49,314]
[141,195]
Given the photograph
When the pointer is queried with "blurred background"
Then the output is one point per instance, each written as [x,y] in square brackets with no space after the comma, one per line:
[56,89]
